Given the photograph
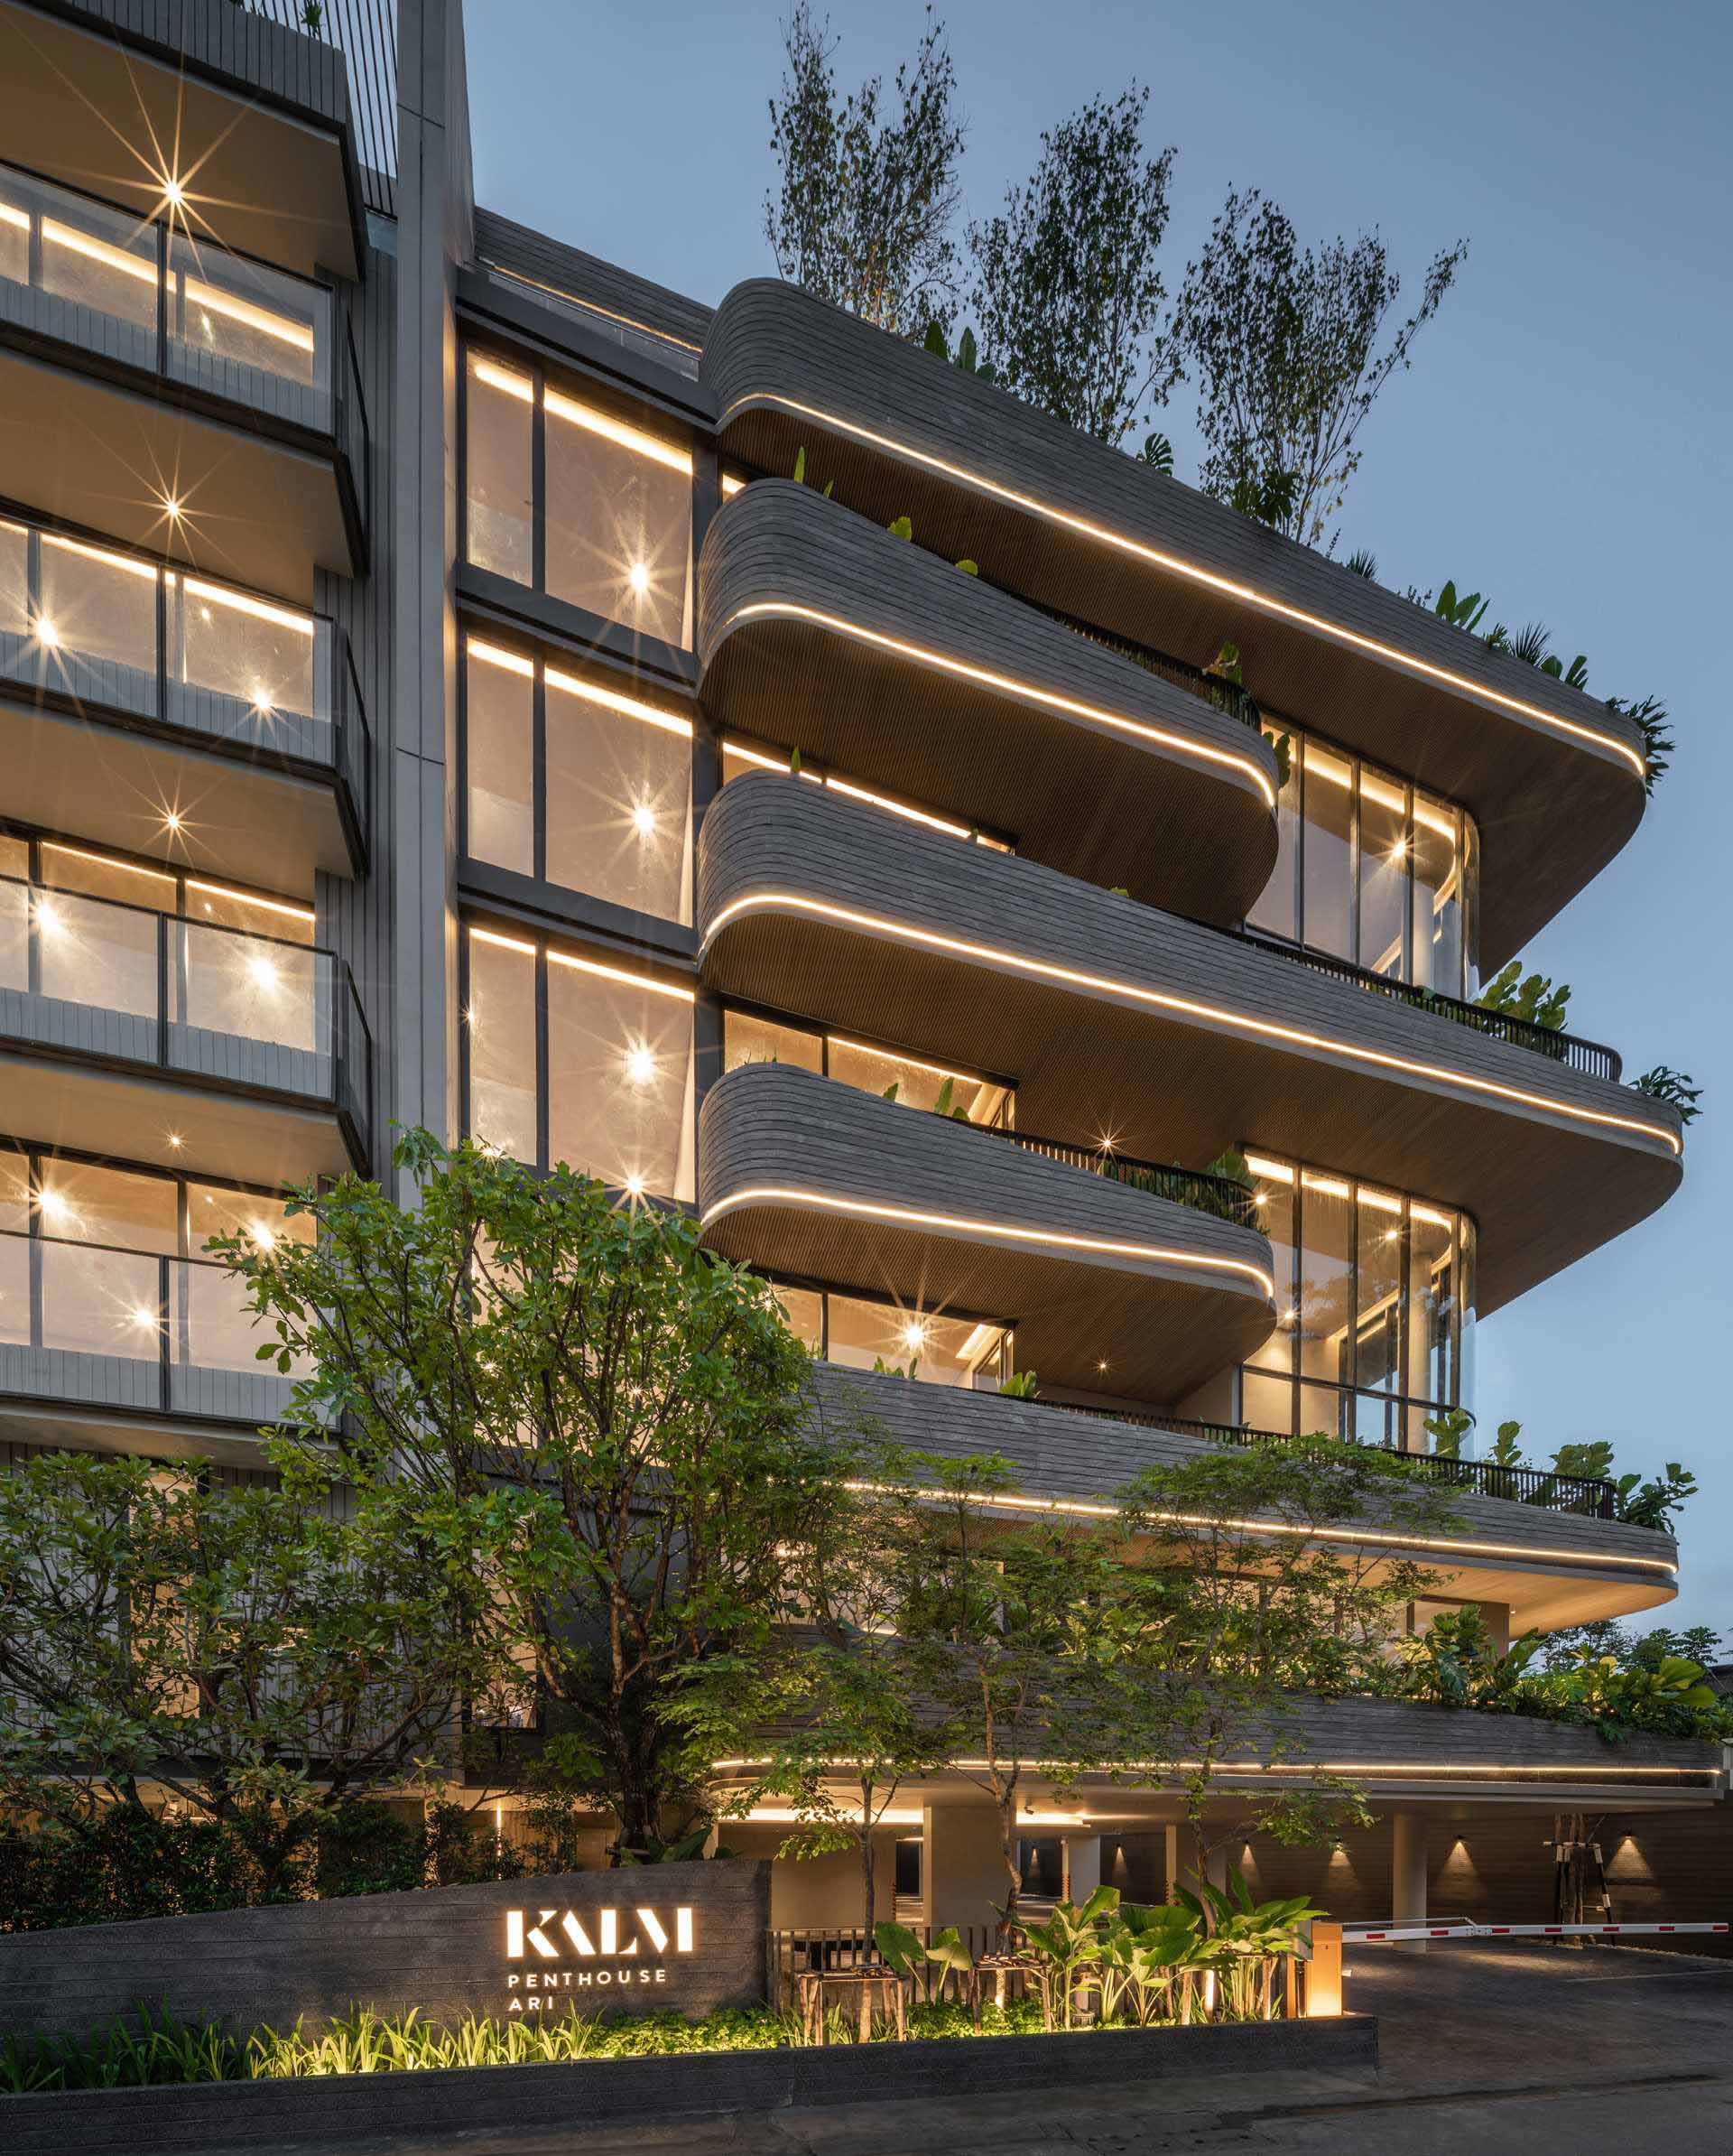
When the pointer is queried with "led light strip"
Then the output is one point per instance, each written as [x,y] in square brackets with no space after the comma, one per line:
[907,1217]
[1563,1768]
[1194,573]
[1085,1508]
[1023,692]
[1041,969]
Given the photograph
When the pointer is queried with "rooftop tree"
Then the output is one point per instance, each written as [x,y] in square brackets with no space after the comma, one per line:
[864,205]
[602,1419]
[1284,344]
[1066,290]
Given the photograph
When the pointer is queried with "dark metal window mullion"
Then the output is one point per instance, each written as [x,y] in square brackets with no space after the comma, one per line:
[543,1059]
[33,1231]
[539,771]
[538,488]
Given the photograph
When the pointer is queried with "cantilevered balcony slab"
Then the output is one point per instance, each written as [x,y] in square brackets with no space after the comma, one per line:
[1551,1567]
[251,117]
[1554,778]
[1173,1038]
[802,1175]
[822,633]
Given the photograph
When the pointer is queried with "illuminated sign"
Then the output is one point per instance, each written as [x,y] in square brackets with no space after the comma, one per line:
[554,1953]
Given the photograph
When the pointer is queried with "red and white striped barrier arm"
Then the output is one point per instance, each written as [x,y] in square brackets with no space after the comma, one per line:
[1468,1930]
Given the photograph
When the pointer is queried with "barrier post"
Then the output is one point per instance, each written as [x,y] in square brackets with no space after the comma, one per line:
[1324,1972]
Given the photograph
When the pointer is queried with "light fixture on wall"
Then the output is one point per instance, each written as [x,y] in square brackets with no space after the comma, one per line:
[640,1063]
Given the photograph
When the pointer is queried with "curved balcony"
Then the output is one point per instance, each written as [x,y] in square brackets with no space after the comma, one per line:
[819,633]
[1553,1567]
[1554,778]
[162,390]
[1114,1018]
[800,1175]
[231,729]
[146,1036]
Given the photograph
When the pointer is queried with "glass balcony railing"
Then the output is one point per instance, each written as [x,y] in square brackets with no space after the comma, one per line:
[113,631]
[117,983]
[149,295]
[131,1329]
[1218,1195]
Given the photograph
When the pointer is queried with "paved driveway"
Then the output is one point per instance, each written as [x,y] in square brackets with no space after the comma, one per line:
[1530,2049]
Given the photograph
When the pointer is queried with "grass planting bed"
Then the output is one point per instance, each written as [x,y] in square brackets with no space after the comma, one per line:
[647,2079]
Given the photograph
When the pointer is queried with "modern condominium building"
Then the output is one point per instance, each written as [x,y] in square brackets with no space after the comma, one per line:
[446,678]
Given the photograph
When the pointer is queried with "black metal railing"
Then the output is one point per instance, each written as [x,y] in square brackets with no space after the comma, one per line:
[1590,1057]
[120,983]
[366,33]
[105,631]
[1218,1195]
[1587,1496]
[1225,696]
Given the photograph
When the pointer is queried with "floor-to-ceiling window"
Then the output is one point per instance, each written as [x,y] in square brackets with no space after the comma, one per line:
[568,496]
[1374,1299]
[1373,871]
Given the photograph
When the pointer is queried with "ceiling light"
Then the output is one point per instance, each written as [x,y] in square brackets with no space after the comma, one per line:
[175,1141]
[634,1185]
[914,1335]
[47,634]
[174,194]
[145,1319]
[47,918]
[640,1066]
[638,576]
[262,970]
[52,1205]
[644,820]
[172,822]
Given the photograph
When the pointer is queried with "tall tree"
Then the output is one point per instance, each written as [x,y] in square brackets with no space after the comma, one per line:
[862,208]
[605,1419]
[1285,344]
[1251,1609]
[1066,293]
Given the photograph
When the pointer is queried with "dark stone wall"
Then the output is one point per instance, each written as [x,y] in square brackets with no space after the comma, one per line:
[443,1951]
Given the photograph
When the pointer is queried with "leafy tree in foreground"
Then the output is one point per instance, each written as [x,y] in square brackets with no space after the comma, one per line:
[1284,342]
[601,1420]
[262,1656]
[1066,289]
[863,209]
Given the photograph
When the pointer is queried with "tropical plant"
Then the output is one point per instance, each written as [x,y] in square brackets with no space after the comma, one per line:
[1532,997]
[600,1425]
[1449,1432]
[800,472]
[1364,562]
[1158,453]
[1020,1387]
[1154,1958]
[1455,1662]
[1650,716]
[1066,289]
[1285,344]
[1244,1939]
[864,205]
[919,1961]
[966,360]
[1464,612]
[1664,1083]
[1070,1942]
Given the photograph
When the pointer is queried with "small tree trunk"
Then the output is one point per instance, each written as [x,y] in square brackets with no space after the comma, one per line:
[868,1912]
[1012,1869]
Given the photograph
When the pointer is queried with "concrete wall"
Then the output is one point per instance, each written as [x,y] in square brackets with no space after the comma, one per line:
[819,1893]
[444,1951]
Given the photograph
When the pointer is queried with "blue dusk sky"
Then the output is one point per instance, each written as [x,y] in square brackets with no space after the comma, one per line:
[1563,443]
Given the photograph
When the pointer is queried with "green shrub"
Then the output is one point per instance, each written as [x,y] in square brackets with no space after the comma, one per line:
[123,1864]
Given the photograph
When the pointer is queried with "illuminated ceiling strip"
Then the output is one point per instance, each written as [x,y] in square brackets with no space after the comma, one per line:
[912,1063]
[274,906]
[279,326]
[1195,575]
[492,654]
[640,980]
[1564,1769]
[616,432]
[503,943]
[241,602]
[127,563]
[9,215]
[908,1217]
[504,378]
[82,243]
[989,954]
[896,808]
[1086,1508]
[1023,692]
[591,307]
[650,714]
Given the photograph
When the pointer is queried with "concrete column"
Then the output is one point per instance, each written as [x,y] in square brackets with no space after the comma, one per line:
[1215,1867]
[1082,1866]
[1496,1616]
[963,1879]
[1408,1873]
[1172,1860]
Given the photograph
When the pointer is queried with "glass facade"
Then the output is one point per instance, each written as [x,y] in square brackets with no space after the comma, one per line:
[111,628]
[612,813]
[752,1037]
[609,512]
[1373,871]
[576,1059]
[102,1260]
[862,1332]
[1375,1295]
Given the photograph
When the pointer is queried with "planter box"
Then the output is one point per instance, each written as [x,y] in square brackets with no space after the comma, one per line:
[685,1937]
[327,2112]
